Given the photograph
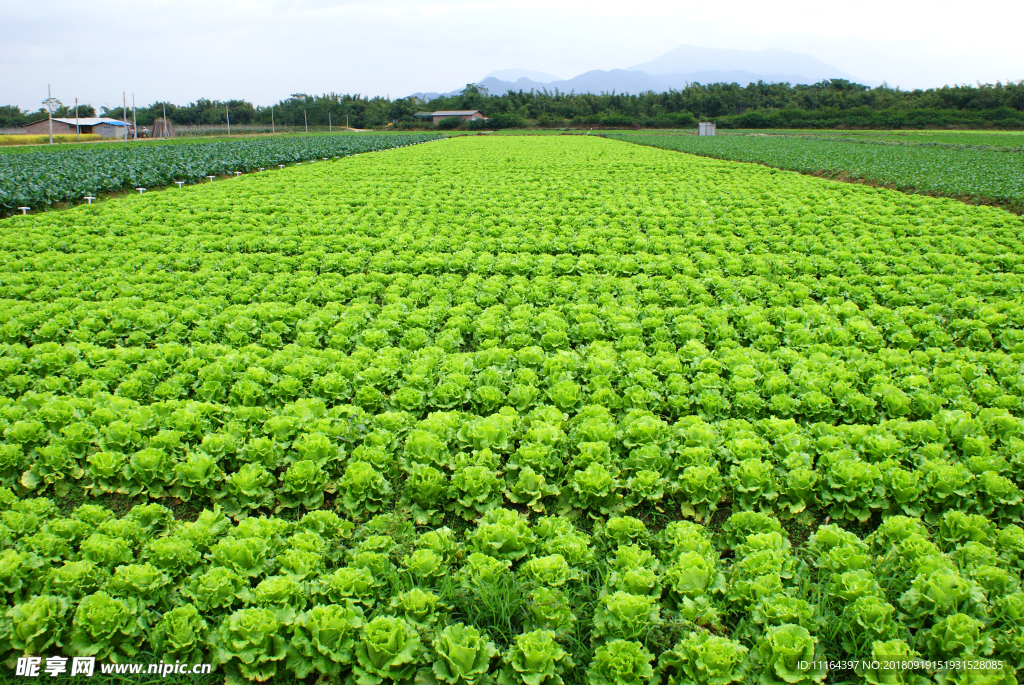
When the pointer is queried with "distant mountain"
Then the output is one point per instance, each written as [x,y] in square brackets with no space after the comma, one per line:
[427,97]
[672,71]
[597,81]
[775,64]
[516,74]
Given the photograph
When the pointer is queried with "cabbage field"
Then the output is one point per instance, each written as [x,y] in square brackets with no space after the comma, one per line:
[524,411]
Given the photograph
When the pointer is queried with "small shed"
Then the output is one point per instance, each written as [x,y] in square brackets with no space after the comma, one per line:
[163,128]
[706,128]
[102,126]
[463,114]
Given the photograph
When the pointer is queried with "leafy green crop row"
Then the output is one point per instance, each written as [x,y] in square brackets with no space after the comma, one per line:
[954,172]
[524,410]
[386,603]
[41,178]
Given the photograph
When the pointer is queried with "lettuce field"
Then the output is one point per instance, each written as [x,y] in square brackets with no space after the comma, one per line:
[922,163]
[527,411]
[39,178]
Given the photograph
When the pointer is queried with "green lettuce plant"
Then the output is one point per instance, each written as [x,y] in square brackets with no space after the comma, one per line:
[853,490]
[143,582]
[644,487]
[787,654]
[36,626]
[701,658]
[282,595]
[246,556]
[886,654]
[249,645]
[955,636]
[1007,629]
[426,567]
[216,589]
[108,628]
[363,490]
[866,620]
[348,584]
[172,554]
[473,491]
[595,491]
[425,491]
[503,534]
[198,477]
[700,491]
[798,490]
[529,488]
[551,571]
[753,485]
[247,490]
[549,609]
[388,650]
[481,570]
[462,656]
[419,608]
[621,662]
[535,658]
[939,593]
[692,576]
[737,527]
[323,640]
[303,485]
[181,634]
[622,615]
[779,609]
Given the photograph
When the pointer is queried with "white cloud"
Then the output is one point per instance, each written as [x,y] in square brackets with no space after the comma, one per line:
[263,50]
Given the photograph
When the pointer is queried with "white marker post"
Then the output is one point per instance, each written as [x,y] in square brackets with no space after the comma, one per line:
[280,166]
[211,178]
[238,173]
[180,183]
[141,190]
[89,198]
[24,210]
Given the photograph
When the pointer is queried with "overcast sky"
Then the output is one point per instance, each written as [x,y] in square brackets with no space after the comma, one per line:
[264,50]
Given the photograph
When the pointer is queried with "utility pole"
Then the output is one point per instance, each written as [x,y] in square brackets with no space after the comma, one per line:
[50,103]
[163,134]
[330,127]
[304,119]
[346,123]
[227,113]
[78,127]
[272,129]
[124,114]
[135,126]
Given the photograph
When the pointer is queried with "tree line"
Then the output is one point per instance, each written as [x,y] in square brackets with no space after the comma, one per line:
[829,104]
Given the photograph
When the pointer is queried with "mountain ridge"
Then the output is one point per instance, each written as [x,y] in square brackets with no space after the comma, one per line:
[673,70]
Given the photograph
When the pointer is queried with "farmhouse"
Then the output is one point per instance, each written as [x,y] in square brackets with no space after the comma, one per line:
[464,114]
[101,126]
